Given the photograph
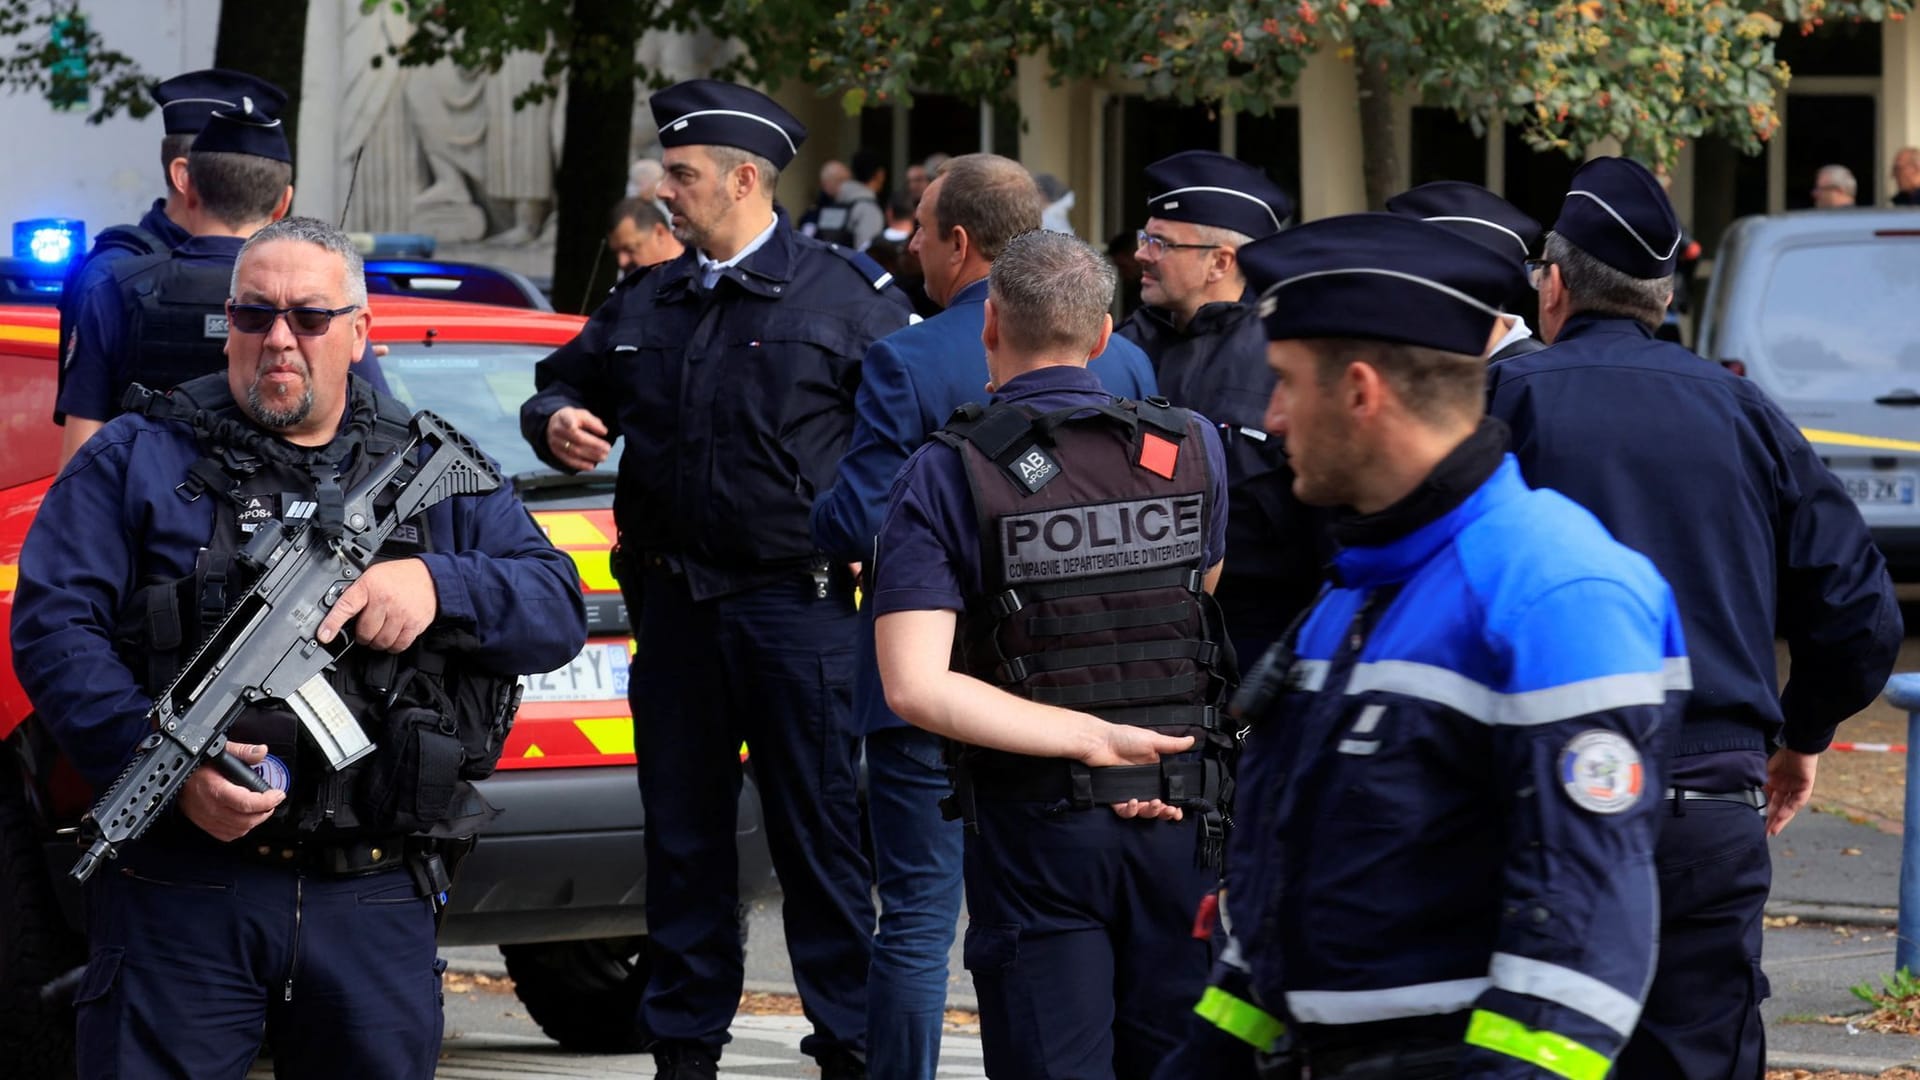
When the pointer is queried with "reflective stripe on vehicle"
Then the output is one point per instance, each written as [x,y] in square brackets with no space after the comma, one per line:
[1859,442]
[32,335]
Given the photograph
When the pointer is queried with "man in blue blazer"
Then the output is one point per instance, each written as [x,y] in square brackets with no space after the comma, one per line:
[910,383]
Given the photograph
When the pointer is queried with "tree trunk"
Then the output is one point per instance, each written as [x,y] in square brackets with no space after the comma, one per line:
[593,163]
[1379,143]
[272,47]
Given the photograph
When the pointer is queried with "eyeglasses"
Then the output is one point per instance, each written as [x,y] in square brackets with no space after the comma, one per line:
[1158,246]
[1537,273]
[303,321]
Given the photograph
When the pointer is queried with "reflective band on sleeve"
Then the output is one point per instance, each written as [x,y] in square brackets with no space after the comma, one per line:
[1241,1019]
[1556,1054]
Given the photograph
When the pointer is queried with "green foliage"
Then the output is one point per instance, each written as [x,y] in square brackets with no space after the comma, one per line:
[772,36]
[56,54]
[1568,73]
[1899,990]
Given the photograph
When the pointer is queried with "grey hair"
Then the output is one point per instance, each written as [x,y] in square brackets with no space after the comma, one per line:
[1219,236]
[353,281]
[1603,290]
[729,158]
[1052,292]
[1839,176]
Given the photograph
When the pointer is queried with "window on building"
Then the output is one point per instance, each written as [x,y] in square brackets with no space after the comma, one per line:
[1272,142]
[1836,48]
[1444,147]
[1536,181]
[1727,185]
[1829,129]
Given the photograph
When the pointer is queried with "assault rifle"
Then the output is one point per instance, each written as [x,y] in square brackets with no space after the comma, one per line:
[264,647]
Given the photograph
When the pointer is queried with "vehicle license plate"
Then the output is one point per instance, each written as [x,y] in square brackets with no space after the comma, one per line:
[1878,488]
[599,673]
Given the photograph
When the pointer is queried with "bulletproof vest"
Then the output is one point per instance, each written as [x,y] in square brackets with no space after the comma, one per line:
[834,225]
[131,238]
[177,315]
[1093,526]
[437,721]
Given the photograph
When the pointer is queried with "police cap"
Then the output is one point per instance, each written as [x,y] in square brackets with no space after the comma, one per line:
[1617,212]
[1473,212]
[1208,188]
[1378,277]
[244,130]
[186,101]
[706,112]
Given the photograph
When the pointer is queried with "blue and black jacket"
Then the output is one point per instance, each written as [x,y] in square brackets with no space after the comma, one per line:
[1456,824]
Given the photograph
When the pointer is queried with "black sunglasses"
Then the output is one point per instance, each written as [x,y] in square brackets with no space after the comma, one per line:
[303,321]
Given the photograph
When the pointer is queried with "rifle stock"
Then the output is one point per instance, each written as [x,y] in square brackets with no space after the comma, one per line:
[265,648]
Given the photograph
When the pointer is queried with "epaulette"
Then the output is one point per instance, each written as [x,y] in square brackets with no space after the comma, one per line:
[876,275]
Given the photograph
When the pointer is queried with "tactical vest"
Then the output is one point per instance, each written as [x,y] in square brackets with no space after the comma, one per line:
[437,720]
[1093,526]
[131,238]
[177,318]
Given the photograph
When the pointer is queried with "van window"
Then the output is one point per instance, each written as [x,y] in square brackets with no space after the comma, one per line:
[1843,308]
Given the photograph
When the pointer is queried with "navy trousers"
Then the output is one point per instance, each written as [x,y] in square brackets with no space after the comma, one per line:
[1702,1019]
[771,667]
[1080,940]
[198,956]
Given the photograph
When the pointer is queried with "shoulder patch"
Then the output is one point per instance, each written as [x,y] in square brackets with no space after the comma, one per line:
[876,275]
[1601,772]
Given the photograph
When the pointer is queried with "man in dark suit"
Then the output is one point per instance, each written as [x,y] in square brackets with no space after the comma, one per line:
[911,382]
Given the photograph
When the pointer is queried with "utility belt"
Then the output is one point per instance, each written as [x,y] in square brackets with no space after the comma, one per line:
[1755,798]
[1176,783]
[629,565]
[1203,788]
[1413,1048]
[431,861]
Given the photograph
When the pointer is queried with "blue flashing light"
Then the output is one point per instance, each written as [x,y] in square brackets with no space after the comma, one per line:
[49,241]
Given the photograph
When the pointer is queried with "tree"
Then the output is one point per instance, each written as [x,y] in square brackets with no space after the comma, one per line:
[1650,74]
[57,54]
[589,47]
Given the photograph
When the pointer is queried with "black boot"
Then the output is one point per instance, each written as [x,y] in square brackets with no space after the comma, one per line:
[841,1065]
[684,1061]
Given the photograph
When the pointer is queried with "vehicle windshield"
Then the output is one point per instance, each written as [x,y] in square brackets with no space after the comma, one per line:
[1843,308]
[479,388]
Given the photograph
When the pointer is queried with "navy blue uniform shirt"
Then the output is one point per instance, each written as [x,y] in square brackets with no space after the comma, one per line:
[735,403]
[113,521]
[929,546]
[1217,365]
[910,383]
[1697,469]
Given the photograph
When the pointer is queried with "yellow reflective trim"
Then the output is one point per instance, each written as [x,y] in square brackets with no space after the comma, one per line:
[9,577]
[1556,1054]
[1239,1018]
[33,335]
[573,530]
[610,735]
[1862,442]
[596,570]
[534,751]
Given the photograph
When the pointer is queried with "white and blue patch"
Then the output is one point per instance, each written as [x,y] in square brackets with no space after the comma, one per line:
[274,772]
[1601,772]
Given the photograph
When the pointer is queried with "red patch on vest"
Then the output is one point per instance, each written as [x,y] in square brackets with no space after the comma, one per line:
[1158,455]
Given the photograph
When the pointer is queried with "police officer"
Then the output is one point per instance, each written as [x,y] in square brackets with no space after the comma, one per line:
[306,912]
[910,384]
[1654,441]
[157,319]
[1061,548]
[1492,222]
[1453,876]
[186,102]
[1200,329]
[730,372]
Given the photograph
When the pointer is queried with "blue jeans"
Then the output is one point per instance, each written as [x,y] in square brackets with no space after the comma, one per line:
[916,858]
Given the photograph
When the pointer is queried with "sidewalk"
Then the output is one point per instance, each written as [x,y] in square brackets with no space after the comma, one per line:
[1840,880]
